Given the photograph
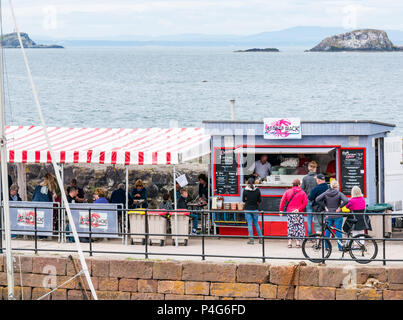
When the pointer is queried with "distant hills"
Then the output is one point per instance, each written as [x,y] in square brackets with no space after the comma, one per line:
[291,37]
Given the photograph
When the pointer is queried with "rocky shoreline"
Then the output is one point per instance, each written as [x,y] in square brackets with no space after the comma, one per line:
[259,50]
[359,40]
[10,40]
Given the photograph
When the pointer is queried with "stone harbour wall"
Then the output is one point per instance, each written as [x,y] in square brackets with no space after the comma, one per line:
[129,279]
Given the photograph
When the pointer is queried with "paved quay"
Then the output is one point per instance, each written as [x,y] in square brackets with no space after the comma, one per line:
[213,246]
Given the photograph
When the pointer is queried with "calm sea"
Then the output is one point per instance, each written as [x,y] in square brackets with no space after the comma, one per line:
[150,86]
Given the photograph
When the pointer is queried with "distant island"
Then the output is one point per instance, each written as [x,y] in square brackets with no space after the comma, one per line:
[10,40]
[358,40]
[259,50]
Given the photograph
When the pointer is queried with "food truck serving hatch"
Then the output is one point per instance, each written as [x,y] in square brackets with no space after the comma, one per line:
[284,150]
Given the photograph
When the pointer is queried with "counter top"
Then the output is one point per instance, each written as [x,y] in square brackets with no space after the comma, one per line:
[271,184]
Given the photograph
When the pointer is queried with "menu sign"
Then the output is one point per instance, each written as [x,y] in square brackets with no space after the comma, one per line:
[226,172]
[352,170]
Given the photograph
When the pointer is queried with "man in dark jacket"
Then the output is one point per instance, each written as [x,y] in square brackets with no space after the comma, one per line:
[119,196]
[308,183]
[321,187]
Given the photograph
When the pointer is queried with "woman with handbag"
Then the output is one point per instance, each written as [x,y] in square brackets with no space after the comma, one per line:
[357,205]
[295,201]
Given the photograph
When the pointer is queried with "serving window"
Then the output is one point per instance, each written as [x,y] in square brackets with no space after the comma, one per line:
[286,164]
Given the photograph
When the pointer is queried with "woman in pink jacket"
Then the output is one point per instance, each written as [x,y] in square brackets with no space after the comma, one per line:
[295,200]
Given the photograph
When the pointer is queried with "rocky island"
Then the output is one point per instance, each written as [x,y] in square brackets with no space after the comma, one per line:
[358,40]
[259,50]
[10,40]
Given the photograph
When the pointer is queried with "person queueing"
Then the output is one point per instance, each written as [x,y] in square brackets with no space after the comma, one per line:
[295,201]
[320,188]
[333,201]
[356,204]
[308,183]
[252,198]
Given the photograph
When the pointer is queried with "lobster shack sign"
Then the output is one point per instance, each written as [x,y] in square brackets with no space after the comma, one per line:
[282,128]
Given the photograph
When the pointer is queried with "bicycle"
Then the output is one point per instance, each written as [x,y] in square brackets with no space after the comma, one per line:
[363,250]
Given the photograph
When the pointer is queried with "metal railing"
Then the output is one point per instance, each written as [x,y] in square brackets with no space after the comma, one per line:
[206,216]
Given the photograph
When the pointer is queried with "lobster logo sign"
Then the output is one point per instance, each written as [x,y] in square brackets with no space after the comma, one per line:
[26,218]
[99,220]
[285,128]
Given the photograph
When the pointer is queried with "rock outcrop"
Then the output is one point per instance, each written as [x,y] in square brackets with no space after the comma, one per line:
[10,40]
[259,50]
[358,40]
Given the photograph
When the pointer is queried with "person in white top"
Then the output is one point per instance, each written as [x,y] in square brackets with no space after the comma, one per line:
[261,168]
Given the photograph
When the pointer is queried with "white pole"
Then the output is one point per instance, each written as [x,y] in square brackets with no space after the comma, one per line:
[127,205]
[4,183]
[232,109]
[176,208]
[55,166]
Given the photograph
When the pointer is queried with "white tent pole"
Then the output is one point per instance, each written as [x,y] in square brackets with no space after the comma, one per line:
[4,184]
[55,166]
[176,208]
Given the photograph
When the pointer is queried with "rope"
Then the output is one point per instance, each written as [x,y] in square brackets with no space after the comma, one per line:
[53,157]
[69,280]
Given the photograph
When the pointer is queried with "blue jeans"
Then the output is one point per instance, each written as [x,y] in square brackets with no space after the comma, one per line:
[338,222]
[195,217]
[252,219]
[309,218]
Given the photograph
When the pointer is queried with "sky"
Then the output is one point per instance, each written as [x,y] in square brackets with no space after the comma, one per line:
[101,19]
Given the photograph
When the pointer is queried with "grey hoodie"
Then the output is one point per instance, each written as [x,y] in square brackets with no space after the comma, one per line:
[309,182]
[332,199]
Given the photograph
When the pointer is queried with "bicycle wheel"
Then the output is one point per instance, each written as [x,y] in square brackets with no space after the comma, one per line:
[312,249]
[363,248]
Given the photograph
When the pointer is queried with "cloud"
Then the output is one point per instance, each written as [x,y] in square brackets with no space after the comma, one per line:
[89,18]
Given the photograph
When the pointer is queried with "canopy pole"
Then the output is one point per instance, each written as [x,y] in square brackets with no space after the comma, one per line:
[176,208]
[22,180]
[62,213]
[127,206]
[55,166]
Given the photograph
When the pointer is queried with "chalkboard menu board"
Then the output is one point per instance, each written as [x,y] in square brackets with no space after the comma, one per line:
[352,170]
[226,172]
[270,204]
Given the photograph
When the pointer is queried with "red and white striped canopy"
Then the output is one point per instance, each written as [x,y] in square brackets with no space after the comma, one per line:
[27,144]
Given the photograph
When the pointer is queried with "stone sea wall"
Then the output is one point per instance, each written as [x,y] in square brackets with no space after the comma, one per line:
[158,179]
[129,279]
